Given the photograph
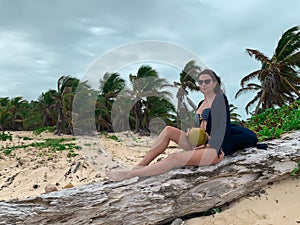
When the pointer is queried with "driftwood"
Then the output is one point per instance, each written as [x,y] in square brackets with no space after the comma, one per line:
[160,199]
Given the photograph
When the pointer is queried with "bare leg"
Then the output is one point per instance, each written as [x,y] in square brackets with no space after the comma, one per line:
[203,157]
[161,143]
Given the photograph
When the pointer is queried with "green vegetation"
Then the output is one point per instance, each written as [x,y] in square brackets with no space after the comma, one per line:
[187,82]
[296,171]
[209,212]
[278,77]
[273,122]
[43,129]
[27,138]
[114,137]
[118,107]
[278,86]
[53,111]
[5,136]
[55,144]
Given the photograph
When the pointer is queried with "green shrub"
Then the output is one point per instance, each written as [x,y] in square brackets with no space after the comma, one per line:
[5,136]
[273,122]
[43,129]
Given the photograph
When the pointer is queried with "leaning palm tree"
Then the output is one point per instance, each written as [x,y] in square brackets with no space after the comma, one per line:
[158,110]
[66,88]
[278,76]
[110,86]
[146,83]
[187,81]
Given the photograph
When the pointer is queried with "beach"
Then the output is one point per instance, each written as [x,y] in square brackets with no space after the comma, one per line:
[276,204]
[29,168]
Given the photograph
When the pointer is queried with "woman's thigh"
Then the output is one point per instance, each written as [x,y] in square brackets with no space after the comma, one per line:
[201,157]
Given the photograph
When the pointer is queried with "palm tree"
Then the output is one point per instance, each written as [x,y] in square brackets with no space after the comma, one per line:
[66,88]
[250,87]
[32,114]
[187,81]
[279,76]
[5,115]
[48,107]
[234,117]
[161,108]
[15,106]
[84,110]
[146,83]
[122,117]
[110,86]
[4,101]
[4,118]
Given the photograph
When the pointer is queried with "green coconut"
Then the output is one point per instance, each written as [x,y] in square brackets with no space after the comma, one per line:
[197,137]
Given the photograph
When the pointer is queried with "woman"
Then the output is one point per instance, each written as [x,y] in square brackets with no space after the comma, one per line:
[214,117]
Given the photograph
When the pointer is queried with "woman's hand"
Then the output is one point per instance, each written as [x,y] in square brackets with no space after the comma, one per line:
[203,124]
[188,131]
[201,147]
[208,137]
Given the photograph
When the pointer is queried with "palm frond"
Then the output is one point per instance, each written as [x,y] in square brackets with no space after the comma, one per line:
[258,56]
[249,88]
[288,43]
[255,99]
[292,60]
[250,76]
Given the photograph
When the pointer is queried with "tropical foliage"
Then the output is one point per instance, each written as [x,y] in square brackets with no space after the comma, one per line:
[145,85]
[110,87]
[187,82]
[145,106]
[144,100]
[278,77]
[273,122]
[234,116]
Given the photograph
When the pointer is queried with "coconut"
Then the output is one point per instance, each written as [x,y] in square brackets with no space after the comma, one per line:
[197,137]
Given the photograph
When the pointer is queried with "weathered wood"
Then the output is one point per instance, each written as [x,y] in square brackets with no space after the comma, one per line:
[160,199]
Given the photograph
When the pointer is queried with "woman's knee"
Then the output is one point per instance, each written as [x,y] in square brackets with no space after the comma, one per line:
[171,132]
[169,129]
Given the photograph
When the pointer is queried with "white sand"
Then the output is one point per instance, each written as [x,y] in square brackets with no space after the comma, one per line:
[279,205]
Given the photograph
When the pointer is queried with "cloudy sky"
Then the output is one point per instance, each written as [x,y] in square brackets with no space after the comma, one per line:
[41,40]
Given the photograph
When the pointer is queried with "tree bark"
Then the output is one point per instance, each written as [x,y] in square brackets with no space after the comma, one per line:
[163,198]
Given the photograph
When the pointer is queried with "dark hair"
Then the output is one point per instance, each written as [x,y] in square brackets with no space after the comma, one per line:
[214,77]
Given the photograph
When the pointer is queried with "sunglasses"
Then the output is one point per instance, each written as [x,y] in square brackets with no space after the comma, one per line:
[207,81]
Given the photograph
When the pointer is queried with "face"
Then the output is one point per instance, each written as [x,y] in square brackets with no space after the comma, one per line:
[206,83]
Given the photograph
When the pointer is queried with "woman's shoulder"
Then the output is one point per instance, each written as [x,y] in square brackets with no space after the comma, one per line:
[220,100]
[221,96]
[200,103]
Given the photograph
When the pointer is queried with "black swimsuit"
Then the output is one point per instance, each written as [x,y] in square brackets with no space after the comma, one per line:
[224,135]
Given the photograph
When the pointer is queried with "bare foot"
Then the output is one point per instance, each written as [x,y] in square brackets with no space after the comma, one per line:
[118,175]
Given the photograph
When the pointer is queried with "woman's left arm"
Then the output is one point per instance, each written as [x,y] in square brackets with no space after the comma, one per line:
[220,121]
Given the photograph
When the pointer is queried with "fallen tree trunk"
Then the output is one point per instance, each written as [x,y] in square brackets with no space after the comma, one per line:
[160,199]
